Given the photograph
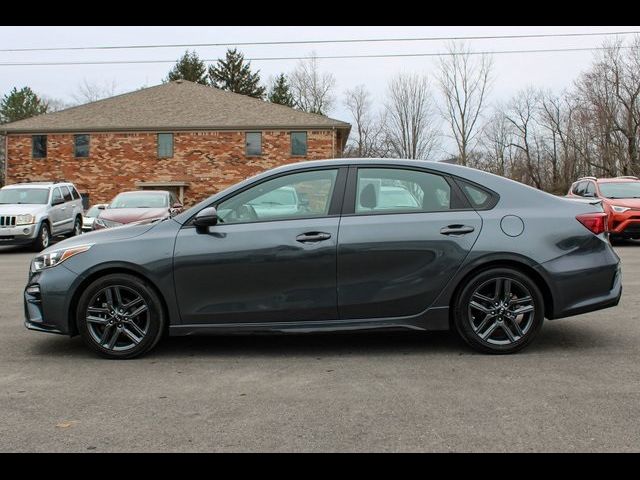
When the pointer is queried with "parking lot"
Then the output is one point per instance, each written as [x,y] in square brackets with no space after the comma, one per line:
[577,388]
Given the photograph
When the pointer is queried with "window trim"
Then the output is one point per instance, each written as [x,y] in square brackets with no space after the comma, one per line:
[306,143]
[335,205]
[495,197]
[158,145]
[53,190]
[46,146]
[246,145]
[349,200]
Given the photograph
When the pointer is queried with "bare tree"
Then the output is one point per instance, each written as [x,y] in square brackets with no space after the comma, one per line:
[464,81]
[411,128]
[92,91]
[313,90]
[367,137]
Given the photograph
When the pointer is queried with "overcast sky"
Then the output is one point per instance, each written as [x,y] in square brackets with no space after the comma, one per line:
[511,71]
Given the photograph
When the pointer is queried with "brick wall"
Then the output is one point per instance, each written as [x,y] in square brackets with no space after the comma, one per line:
[209,161]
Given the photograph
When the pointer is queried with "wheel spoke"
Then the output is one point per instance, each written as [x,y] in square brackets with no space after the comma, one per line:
[134,326]
[482,298]
[118,296]
[105,334]
[113,339]
[487,333]
[131,335]
[508,332]
[482,308]
[98,310]
[132,303]
[506,289]
[516,327]
[484,323]
[523,310]
[109,297]
[518,301]
[137,311]
[98,320]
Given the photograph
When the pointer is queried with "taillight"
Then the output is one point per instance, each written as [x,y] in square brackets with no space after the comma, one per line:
[595,222]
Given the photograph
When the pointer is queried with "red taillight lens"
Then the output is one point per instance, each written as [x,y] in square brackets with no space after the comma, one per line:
[596,222]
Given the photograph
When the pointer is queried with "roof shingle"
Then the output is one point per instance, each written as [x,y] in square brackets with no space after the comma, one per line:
[178,105]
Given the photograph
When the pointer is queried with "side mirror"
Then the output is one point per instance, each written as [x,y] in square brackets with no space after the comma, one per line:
[207,217]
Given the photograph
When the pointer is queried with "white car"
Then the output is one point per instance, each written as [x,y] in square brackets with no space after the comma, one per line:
[32,213]
[90,216]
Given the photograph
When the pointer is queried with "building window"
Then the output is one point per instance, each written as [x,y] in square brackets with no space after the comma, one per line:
[299,143]
[253,142]
[165,145]
[39,146]
[81,146]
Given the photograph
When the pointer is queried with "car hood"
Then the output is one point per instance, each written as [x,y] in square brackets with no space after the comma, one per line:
[104,236]
[624,202]
[20,209]
[128,215]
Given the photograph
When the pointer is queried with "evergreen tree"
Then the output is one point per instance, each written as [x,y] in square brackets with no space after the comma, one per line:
[234,75]
[20,104]
[280,92]
[189,67]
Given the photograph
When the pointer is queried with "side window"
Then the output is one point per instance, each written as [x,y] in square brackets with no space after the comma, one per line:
[165,145]
[299,143]
[74,193]
[57,196]
[81,146]
[66,194]
[590,190]
[388,190]
[478,197]
[39,146]
[253,142]
[579,188]
[298,195]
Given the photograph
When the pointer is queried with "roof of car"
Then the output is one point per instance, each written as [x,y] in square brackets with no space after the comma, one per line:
[37,184]
[146,192]
[617,180]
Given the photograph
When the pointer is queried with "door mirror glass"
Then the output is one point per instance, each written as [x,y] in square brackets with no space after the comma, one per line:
[207,217]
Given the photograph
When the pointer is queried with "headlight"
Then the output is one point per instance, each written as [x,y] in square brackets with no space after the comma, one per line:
[107,223]
[26,219]
[56,257]
[619,209]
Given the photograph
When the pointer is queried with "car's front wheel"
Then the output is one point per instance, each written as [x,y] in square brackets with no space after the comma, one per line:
[43,239]
[120,316]
[499,310]
[77,227]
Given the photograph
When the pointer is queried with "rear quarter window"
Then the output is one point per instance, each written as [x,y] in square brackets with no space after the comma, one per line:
[479,198]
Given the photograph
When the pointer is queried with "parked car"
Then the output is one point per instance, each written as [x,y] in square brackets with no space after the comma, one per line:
[479,253]
[90,215]
[620,197]
[137,206]
[31,213]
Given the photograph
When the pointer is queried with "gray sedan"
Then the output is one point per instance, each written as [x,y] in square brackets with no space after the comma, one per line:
[379,245]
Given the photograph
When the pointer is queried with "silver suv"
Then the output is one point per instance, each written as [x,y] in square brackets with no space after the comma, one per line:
[32,213]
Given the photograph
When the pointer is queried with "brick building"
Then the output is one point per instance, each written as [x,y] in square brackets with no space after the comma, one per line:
[180,136]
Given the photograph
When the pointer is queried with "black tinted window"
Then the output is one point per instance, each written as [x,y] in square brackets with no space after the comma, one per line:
[299,143]
[81,146]
[254,143]
[66,194]
[579,188]
[590,190]
[39,146]
[74,193]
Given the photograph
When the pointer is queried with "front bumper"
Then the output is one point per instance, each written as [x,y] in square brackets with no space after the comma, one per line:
[20,235]
[625,224]
[47,300]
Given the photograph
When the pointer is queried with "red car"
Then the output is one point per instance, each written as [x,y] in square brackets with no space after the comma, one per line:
[137,206]
[621,201]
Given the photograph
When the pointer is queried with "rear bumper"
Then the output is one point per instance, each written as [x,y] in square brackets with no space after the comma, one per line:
[625,225]
[583,281]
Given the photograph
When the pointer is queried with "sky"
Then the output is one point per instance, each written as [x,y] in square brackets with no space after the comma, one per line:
[512,72]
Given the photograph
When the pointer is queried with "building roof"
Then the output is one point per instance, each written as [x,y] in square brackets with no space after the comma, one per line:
[177,105]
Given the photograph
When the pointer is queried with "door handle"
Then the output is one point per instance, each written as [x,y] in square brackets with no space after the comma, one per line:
[310,237]
[456,230]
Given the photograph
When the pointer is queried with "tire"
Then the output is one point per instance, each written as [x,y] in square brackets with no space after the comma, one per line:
[43,240]
[499,311]
[77,227]
[109,327]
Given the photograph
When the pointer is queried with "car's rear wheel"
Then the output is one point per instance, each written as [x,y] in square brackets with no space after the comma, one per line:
[43,239]
[120,316]
[499,310]
[77,227]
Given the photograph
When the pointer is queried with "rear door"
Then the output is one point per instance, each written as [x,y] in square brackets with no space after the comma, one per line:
[403,234]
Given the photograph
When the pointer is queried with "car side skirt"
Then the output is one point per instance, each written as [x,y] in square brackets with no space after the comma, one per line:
[431,320]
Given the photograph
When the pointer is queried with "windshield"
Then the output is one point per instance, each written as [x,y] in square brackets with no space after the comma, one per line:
[620,189]
[140,200]
[30,196]
[92,212]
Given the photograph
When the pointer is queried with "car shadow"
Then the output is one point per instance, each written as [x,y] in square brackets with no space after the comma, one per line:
[553,338]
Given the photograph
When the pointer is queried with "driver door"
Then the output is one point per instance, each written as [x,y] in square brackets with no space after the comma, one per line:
[271,257]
